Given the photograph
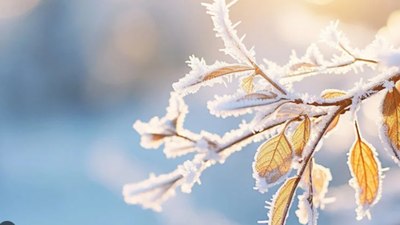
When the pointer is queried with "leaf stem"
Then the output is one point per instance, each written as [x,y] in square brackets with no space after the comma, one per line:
[357,130]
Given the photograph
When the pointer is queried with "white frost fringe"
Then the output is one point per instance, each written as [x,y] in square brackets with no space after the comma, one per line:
[224,29]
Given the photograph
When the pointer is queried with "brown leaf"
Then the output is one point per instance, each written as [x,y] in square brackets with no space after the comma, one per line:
[226,70]
[365,169]
[391,119]
[282,201]
[274,158]
[301,135]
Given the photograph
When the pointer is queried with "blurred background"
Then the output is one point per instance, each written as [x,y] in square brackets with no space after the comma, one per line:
[75,75]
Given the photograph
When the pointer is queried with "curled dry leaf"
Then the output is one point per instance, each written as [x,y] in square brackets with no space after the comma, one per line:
[282,201]
[330,94]
[391,119]
[247,84]
[273,159]
[301,135]
[366,171]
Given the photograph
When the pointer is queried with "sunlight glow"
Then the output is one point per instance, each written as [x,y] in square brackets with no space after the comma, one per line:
[320,2]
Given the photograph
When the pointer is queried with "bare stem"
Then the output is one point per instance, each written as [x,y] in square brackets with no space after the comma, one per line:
[319,69]
[259,71]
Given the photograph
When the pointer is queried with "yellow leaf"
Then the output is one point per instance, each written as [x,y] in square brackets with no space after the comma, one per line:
[333,124]
[274,158]
[247,84]
[391,119]
[329,94]
[282,201]
[366,170]
[226,70]
[301,135]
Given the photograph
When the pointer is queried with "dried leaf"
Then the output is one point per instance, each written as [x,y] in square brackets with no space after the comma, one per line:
[391,119]
[274,158]
[281,202]
[247,84]
[202,75]
[329,94]
[301,135]
[366,170]
[302,67]
[226,70]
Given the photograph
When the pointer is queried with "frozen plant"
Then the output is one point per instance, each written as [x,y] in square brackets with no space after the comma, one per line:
[292,125]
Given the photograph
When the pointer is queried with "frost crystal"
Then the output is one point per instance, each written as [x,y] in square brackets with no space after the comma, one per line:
[152,192]
[332,36]
[202,74]
[158,130]
[306,212]
[191,172]
[224,29]
[241,103]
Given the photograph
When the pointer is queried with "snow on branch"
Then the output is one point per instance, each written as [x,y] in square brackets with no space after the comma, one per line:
[208,75]
[154,191]
[155,132]
[292,125]
[224,29]
[242,103]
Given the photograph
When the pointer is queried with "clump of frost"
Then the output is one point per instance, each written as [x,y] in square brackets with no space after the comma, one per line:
[177,146]
[332,36]
[154,191]
[241,103]
[157,130]
[191,172]
[306,210]
[388,85]
[224,29]
[202,75]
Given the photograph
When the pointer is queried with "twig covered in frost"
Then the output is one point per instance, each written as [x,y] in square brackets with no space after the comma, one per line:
[292,125]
